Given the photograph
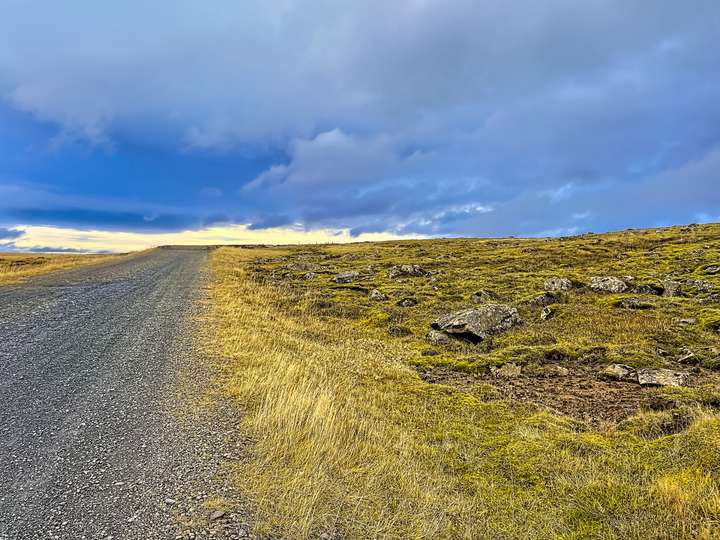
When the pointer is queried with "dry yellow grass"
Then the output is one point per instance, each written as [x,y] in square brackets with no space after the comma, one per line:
[16,267]
[348,439]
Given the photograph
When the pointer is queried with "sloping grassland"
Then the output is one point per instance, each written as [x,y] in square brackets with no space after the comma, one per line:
[363,427]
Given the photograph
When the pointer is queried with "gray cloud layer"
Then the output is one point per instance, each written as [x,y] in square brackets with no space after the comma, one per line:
[438,117]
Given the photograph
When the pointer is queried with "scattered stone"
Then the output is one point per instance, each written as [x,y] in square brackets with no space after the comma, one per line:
[406,270]
[687,357]
[553,370]
[377,295]
[712,270]
[555,284]
[217,514]
[620,372]
[689,320]
[714,298]
[170,501]
[506,371]
[483,297]
[310,275]
[407,302]
[671,288]
[660,377]
[700,284]
[607,284]
[646,288]
[475,325]
[346,277]
[398,331]
[543,300]
[438,338]
[546,313]
[633,303]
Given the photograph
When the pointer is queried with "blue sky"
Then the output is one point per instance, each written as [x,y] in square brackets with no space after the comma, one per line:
[264,120]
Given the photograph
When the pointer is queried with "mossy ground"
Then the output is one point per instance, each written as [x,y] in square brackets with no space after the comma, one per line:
[359,432]
[587,329]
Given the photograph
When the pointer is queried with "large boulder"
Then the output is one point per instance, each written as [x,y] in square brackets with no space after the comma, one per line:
[477,324]
[555,284]
[406,270]
[607,284]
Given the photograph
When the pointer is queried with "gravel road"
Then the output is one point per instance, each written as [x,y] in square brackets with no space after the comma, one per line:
[96,368]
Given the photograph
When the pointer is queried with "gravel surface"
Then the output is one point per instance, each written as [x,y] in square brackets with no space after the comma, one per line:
[99,437]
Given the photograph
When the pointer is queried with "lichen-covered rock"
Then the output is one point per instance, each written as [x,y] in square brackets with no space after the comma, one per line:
[607,284]
[700,285]
[712,270]
[438,338]
[661,377]
[648,288]
[346,277]
[620,372]
[555,284]
[407,302]
[477,324]
[546,313]
[483,297]
[506,371]
[406,270]
[633,303]
[545,299]
[672,288]
[377,295]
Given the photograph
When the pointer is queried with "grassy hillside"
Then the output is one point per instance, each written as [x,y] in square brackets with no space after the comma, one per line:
[364,427]
[15,267]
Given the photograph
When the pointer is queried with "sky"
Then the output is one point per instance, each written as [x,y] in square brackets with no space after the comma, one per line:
[130,124]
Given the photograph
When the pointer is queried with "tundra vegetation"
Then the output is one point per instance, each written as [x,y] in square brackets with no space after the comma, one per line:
[16,267]
[477,388]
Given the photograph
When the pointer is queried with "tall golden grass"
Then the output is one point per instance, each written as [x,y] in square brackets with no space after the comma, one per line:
[348,440]
[15,267]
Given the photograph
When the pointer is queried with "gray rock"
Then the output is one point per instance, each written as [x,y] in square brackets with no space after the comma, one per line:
[620,372]
[407,302]
[661,377]
[632,303]
[672,288]
[346,277]
[310,275]
[700,284]
[546,313]
[478,324]
[553,370]
[217,514]
[712,270]
[377,295]
[438,338]
[647,288]
[545,299]
[506,371]
[483,297]
[406,270]
[607,284]
[554,284]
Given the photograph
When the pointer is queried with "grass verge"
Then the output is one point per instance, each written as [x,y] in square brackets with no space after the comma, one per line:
[15,267]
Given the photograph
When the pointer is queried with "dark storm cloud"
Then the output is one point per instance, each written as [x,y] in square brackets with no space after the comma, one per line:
[435,117]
